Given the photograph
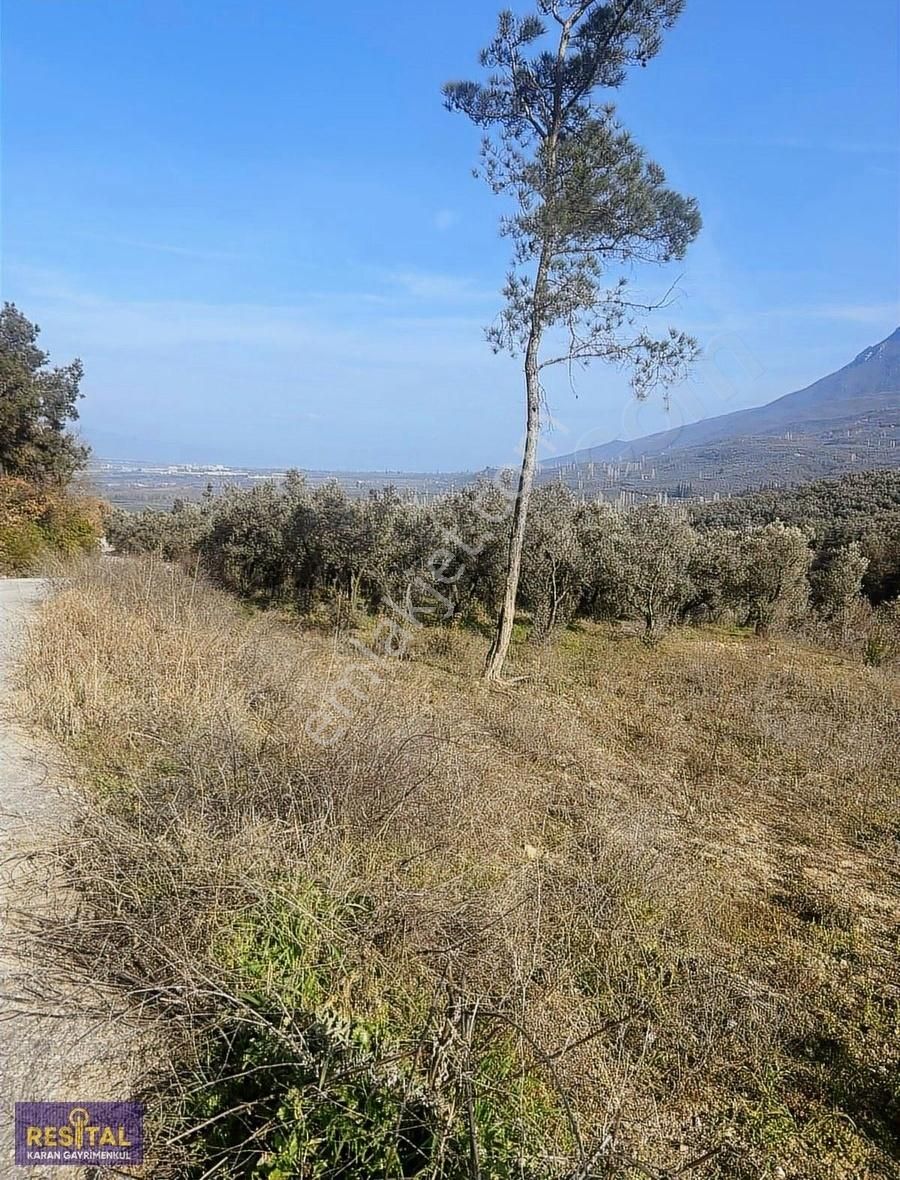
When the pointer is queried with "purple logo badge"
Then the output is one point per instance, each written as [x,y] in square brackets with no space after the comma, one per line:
[73,1133]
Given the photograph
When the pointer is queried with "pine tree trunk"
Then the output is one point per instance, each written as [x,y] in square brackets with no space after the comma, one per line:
[497,655]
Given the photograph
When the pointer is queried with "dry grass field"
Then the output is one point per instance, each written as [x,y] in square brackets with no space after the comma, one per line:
[634,915]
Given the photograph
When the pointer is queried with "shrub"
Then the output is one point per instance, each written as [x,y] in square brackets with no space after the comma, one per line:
[170,535]
[22,544]
[882,644]
[337,1093]
[36,522]
[73,524]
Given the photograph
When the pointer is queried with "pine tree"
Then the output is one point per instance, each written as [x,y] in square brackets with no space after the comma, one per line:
[36,404]
[586,201]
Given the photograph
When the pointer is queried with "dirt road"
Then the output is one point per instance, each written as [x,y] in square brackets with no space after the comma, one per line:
[50,1050]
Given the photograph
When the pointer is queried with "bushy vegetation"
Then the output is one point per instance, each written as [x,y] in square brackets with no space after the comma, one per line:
[38,454]
[320,549]
[631,916]
[37,403]
[862,509]
[37,523]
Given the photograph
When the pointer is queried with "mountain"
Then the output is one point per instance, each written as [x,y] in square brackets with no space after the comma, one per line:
[847,421]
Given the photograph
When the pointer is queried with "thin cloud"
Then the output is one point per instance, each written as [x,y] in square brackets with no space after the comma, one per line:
[445,219]
[164,248]
[873,314]
[442,288]
[337,326]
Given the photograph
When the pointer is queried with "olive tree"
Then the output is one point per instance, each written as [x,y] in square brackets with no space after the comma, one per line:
[414,562]
[553,560]
[245,547]
[773,579]
[716,573]
[838,585]
[337,543]
[172,535]
[471,548]
[646,559]
[586,201]
[596,520]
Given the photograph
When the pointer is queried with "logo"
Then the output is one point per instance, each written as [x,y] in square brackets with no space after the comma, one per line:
[73,1133]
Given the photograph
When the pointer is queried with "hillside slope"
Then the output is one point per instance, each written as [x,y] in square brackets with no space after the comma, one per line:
[846,421]
[640,907]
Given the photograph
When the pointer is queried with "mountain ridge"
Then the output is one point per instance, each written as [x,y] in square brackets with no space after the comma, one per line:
[870,382]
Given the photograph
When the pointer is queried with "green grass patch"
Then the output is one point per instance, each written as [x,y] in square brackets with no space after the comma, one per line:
[323,1066]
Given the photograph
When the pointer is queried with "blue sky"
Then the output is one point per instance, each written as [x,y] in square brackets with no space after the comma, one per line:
[258,226]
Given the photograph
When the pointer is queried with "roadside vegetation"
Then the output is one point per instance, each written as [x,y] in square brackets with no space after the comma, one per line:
[41,525]
[41,518]
[633,915]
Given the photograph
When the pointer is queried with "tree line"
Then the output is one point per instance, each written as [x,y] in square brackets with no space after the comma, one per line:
[308,547]
[863,508]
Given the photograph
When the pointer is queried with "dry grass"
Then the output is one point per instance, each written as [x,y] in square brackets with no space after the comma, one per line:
[669,875]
